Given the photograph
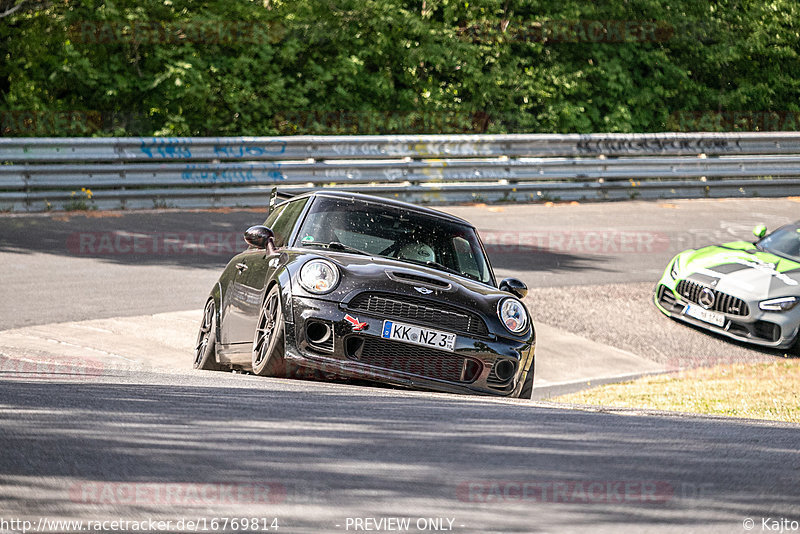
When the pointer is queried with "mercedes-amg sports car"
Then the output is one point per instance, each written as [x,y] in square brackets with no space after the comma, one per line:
[746,291]
[361,287]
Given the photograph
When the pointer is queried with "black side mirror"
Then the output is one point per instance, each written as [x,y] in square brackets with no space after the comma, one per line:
[260,236]
[514,286]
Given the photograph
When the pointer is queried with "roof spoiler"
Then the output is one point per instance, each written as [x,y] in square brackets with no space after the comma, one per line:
[273,198]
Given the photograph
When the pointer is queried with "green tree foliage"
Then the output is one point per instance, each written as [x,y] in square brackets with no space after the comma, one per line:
[280,67]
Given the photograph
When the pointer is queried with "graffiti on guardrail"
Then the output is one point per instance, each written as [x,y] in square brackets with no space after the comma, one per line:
[364,149]
[181,148]
[589,144]
[210,173]
[243,151]
[452,149]
[394,174]
[343,174]
[167,147]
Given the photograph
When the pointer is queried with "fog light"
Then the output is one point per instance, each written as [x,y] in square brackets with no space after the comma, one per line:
[317,332]
[504,369]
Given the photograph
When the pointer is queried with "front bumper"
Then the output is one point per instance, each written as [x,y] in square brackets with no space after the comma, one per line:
[777,330]
[362,353]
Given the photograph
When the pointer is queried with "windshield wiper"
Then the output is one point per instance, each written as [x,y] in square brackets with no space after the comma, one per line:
[437,265]
[335,245]
[780,254]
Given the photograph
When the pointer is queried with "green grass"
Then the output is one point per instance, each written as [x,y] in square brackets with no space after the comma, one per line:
[759,390]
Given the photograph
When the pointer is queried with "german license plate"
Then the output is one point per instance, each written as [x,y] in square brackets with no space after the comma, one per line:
[417,335]
[704,315]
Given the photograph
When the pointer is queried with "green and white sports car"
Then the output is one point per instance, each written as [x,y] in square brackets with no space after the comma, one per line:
[746,291]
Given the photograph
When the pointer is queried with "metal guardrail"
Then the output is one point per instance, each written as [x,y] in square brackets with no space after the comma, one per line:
[45,173]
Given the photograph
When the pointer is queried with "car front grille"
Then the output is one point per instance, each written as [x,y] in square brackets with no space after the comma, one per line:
[723,302]
[420,312]
[411,359]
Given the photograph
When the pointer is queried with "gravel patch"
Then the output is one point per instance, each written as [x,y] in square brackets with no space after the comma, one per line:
[624,316]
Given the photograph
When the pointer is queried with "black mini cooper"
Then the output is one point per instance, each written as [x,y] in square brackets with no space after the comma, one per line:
[363,287]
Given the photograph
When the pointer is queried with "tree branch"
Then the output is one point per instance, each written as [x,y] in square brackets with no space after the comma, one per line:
[12,10]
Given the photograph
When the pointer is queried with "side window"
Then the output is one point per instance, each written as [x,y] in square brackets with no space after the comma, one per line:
[284,221]
[274,214]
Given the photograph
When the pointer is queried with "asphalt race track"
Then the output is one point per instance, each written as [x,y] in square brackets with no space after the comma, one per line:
[122,444]
[317,454]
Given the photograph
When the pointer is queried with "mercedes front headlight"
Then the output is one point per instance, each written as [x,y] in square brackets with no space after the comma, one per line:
[674,271]
[779,304]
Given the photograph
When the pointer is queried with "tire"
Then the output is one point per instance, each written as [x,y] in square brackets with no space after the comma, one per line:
[205,353]
[794,350]
[527,386]
[269,342]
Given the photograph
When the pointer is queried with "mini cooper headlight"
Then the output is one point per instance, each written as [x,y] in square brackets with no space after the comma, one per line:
[779,304]
[319,276]
[513,314]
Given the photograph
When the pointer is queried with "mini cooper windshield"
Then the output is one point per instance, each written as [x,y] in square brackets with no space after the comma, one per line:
[784,242]
[379,230]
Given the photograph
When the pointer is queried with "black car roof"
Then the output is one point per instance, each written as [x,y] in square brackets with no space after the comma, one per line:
[388,202]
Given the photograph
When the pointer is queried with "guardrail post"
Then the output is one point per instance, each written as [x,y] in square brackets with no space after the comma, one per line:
[26,177]
[122,199]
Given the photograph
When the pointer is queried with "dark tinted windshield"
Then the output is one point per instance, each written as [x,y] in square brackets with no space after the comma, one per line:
[783,242]
[381,230]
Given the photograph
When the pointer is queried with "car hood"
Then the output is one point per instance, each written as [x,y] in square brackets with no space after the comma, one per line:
[378,274]
[740,269]
[462,289]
